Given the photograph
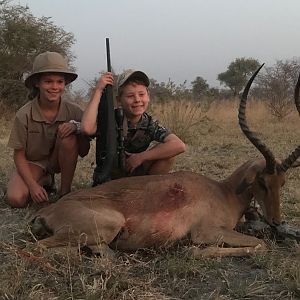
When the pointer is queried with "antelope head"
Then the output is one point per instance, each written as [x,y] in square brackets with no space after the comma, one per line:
[266,178]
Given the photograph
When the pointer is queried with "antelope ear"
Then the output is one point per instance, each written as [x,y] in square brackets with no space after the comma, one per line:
[249,176]
[242,186]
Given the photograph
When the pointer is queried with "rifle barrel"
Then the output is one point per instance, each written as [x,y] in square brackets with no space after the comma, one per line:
[108,55]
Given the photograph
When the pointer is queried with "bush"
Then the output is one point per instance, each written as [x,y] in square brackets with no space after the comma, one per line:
[181,117]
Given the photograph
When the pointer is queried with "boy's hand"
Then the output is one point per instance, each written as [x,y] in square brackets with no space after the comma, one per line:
[133,160]
[104,80]
[66,129]
[38,193]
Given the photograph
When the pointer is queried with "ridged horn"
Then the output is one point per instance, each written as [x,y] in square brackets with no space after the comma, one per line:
[296,95]
[286,163]
[259,145]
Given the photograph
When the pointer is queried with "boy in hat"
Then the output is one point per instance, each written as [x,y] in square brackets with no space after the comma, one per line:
[133,95]
[46,135]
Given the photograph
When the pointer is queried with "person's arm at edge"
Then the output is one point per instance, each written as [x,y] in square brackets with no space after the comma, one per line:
[89,117]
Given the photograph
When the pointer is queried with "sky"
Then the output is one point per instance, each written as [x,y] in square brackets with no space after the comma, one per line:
[174,39]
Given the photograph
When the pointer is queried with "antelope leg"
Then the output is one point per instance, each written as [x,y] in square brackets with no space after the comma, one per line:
[223,236]
[215,251]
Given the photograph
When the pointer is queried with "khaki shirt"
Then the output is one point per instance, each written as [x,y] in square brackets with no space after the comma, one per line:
[36,135]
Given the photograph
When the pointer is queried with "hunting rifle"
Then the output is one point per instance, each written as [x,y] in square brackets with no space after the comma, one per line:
[110,151]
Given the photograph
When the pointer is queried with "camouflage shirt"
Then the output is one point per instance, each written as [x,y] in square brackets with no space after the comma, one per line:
[140,136]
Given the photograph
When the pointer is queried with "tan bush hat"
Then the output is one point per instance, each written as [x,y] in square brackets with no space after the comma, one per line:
[133,75]
[49,62]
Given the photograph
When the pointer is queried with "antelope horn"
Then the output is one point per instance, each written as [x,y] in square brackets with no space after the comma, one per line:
[296,95]
[286,164]
[259,145]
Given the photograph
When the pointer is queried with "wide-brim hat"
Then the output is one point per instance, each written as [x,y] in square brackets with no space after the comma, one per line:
[132,75]
[49,62]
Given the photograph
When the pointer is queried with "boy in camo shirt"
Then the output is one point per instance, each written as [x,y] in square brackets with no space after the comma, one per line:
[142,129]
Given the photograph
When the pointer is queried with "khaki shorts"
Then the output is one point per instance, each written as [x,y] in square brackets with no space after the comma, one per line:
[41,164]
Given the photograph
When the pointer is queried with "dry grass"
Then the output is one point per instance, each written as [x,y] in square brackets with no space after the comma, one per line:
[215,148]
[182,117]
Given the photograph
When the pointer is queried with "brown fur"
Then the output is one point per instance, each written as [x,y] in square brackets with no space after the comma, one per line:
[157,210]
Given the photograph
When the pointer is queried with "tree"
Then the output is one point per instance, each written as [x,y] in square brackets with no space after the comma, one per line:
[200,87]
[22,37]
[277,86]
[168,91]
[237,74]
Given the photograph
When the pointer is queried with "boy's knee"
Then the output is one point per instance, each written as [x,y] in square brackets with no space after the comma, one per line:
[168,162]
[171,160]
[83,147]
[162,166]
[17,200]
[69,143]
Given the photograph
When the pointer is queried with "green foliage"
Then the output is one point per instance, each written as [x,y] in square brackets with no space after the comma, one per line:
[214,93]
[277,86]
[162,92]
[22,37]
[200,87]
[237,74]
